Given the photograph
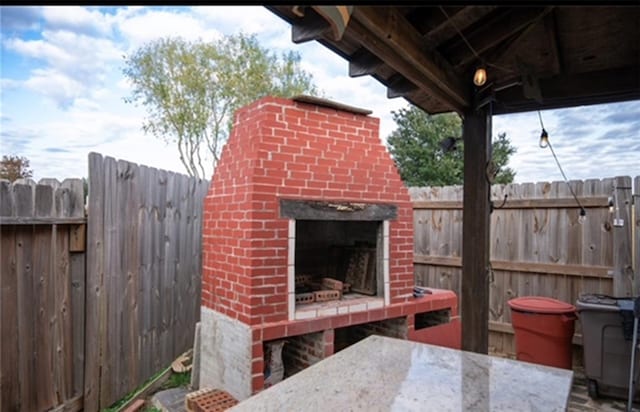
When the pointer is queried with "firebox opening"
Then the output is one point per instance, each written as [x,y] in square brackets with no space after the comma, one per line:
[336,260]
[347,336]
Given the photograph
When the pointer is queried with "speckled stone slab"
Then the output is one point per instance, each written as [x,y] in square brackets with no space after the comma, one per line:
[387,374]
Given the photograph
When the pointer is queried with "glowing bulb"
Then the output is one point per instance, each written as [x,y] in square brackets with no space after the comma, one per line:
[583,216]
[480,76]
[544,139]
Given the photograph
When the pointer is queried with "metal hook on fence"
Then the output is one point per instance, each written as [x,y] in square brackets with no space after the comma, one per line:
[504,201]
[490,273]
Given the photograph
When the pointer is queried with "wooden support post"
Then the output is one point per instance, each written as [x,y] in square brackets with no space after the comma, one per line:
[474,300]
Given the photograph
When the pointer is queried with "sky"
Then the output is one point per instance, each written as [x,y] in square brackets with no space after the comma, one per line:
[62,93]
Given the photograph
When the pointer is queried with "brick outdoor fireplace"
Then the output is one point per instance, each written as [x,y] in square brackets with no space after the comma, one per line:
[308,238]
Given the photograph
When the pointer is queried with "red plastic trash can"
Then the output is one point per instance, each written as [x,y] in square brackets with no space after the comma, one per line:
[543,330]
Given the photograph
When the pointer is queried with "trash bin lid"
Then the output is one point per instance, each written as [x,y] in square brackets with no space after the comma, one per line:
[540,304]
[599,299]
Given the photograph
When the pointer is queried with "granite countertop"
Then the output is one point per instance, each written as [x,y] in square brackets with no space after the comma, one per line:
[388,374]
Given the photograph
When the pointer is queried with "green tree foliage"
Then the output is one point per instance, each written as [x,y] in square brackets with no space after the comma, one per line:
[14,167]
[421,160]
[192,89]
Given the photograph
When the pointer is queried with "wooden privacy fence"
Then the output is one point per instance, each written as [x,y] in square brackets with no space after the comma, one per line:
[42,294]
[143,274]
[538,245]
[88,315]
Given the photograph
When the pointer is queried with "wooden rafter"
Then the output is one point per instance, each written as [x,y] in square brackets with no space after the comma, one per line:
[399,86]
[429,20]
[551,26]
[461,18]
[510,46]
[310,27]
[389,36]
[363,62]
[492,34]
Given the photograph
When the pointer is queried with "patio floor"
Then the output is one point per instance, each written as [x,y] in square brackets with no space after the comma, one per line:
[581,402]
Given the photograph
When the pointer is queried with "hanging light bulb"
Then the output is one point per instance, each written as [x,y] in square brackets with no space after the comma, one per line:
[583,216]
[480,76]
[544,139]
[610,204]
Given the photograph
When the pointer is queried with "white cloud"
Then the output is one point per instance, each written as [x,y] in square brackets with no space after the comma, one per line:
[141,28]
[38,49]
[59,147]
[19,18]
[7,84]
[59,87]
[74,64]
[124,84]
[77,19]
[575,136]
[248,19]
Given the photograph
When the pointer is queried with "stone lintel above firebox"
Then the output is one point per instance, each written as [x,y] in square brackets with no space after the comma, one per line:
[333,210]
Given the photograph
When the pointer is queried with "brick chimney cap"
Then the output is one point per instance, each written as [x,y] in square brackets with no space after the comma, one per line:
[331,104]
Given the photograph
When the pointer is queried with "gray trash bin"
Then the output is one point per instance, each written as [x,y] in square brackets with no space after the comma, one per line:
[607,329]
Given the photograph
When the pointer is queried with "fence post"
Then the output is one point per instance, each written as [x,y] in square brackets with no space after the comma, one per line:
[635,226]
[95,293]
[622,264]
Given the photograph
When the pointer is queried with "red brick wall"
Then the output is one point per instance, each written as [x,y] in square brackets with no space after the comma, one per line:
[302,351]
[394,328]
[280,148]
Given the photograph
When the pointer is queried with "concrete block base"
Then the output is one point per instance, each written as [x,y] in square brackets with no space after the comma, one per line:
[225,354]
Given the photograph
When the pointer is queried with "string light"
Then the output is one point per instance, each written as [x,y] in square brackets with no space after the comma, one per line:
[544,139]
[544,142]
[480,76]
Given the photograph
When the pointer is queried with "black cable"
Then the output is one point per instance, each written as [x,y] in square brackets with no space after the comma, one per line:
[475,53]
[583,212]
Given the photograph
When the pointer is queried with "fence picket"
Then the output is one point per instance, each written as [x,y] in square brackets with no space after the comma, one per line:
[95,295]
[9,350]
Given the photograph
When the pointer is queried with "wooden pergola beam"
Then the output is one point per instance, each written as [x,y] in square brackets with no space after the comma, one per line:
[568,90]
[393,39]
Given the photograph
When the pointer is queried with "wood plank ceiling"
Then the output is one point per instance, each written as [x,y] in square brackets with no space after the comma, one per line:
[536,57]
